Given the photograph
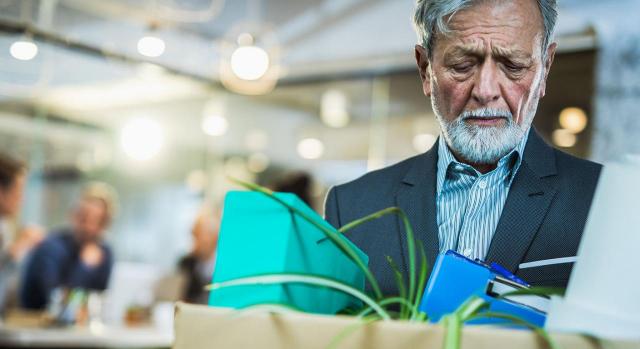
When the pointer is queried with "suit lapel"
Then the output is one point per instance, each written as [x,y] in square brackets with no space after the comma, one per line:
[529,198]
[417,198]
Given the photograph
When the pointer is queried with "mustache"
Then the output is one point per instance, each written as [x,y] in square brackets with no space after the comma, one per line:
[485,113]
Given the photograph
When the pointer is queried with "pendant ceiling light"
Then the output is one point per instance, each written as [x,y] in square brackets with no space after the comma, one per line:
[26,67]
[249,56]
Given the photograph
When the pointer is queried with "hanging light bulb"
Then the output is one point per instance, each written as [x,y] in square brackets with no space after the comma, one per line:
[249,62]
[214,122]
[573,119]
[24,50]
[214,125]
[249,65]
[310,148]
[142,139]
[151,46]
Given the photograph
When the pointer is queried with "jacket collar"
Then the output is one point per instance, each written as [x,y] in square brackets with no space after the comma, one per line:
[539,156]
[529,198]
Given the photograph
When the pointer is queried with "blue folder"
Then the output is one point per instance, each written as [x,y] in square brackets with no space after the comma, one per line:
[455,278]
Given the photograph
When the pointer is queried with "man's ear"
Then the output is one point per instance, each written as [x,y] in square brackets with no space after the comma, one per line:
[422,60]
[551,52]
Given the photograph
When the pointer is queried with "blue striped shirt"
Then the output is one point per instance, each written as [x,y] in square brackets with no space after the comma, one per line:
[469,203]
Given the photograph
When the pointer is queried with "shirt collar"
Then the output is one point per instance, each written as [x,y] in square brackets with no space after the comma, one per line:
[446,159]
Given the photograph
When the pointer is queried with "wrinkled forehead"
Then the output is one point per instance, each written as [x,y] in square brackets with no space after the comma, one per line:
[525,53]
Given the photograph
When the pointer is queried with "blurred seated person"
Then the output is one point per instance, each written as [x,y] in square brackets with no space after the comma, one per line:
[74,257]
[197,267]
[13,247]
[298,183]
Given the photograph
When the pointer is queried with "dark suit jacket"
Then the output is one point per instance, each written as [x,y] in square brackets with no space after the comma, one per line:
[56,263]
[543,217]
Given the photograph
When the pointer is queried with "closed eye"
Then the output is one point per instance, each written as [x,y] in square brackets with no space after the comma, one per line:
[513,68]
[462,68]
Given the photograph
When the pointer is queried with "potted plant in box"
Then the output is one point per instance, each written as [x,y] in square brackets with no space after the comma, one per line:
[376,307]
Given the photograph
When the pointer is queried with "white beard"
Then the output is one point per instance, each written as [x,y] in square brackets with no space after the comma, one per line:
[483,144]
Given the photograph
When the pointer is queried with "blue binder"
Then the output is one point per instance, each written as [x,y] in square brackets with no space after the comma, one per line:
[455,278]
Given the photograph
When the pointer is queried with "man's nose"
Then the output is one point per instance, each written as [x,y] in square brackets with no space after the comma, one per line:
[487,87]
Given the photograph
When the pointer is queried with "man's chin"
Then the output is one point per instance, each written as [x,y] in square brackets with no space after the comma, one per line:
[484,145]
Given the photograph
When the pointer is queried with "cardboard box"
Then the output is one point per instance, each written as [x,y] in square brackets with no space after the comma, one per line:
[203,327]
[259,236]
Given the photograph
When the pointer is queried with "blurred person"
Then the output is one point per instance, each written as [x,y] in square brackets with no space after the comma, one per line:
[74,257]
[13,176]
[490,188]
[13,247]
[298,183]
[197,267]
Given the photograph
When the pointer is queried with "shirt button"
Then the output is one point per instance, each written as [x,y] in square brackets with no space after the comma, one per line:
[482,184]
[467,252]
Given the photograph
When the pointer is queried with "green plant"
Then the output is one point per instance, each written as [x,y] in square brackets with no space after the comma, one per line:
[376,307]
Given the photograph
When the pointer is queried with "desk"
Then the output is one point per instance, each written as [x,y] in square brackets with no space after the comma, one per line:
[77,337]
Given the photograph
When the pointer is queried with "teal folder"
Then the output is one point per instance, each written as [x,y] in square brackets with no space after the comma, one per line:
[259,235]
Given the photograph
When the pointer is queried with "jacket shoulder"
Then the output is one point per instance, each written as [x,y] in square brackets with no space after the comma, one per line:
[369,193]
[384,177]
[577,167]
[56,242]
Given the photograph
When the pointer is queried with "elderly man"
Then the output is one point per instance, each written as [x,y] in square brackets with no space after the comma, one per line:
[490,188]
[75,257]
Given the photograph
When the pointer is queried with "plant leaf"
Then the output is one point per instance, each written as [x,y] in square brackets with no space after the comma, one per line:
[402,290]
[422,280]
[334,237]
[371,217]
[411,247]
[453,331]
[410,240]
[470,307]
[391,300]
[284,278]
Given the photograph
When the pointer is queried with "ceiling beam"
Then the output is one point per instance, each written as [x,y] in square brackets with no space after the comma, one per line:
[61,41]
[319,18]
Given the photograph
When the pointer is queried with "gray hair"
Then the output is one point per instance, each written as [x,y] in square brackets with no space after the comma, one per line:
[429,18]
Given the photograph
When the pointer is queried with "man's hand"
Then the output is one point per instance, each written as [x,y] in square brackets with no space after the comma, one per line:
[91,255]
